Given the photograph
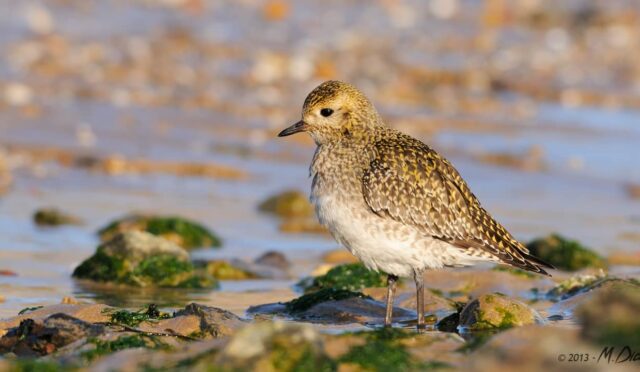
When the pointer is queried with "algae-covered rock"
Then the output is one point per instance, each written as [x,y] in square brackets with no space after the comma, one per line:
[187,234]
[288,204]
[574,285]
[496,311]
[54,217]
[565,254]
[224,270]
[610,317]
[274,259]
[128,341]
[386,349]
[275,346]
[214,322]
[306,301]
[31,338]
[351,277]
[143,260]
[335,306]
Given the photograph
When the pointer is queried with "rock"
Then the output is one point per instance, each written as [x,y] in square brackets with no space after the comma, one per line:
[288,204]
[116,342]
[274,259]
[214,322]
[223,270]
[573,286]
[339,256]
[275,346]
[633,190]
[261,271]
[54,217]
[496,311]
[90,313]
[183,232]
[307,225]
[434,302]
[352,277]
[610,316]
[140,259]
[565,254]
[393,349]
[567,307]
[32,337]
[330,305]
[533,348]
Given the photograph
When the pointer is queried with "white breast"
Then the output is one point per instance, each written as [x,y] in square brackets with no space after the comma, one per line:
[381,243]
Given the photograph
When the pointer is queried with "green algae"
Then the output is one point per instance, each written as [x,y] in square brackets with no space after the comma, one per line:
[289,356]
[29,309]
[134,318]
[307,301]
[101,267]
[565,254]
[351,277]
[105,347]
[495,311]
[186,233]
[287,204]
[163,270]
[225,271]
[384,351]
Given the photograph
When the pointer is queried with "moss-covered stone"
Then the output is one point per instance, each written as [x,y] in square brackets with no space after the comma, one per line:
[223,270]
[565,254]
[384,350]
[496,311]
[54,217]
[143,260]
[105,347]
[288,204]
[306,301]
[186,233]
[574,285]
[610,318]
[351,277]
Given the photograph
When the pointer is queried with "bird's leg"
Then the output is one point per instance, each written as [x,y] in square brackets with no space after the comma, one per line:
[419,279]
[392,280]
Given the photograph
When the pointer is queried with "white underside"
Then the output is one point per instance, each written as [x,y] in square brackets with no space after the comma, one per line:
[384,244]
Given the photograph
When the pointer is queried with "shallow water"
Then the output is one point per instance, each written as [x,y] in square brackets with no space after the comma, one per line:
[590,150]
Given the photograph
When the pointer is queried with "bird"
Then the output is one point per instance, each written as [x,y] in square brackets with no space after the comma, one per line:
[394,202]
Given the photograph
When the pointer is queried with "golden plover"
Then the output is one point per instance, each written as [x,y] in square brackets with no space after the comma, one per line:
[393,201]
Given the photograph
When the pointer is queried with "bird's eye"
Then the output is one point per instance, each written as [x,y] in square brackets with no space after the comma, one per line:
[326,112]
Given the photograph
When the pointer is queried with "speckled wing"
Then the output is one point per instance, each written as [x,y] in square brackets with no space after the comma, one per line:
[411,183]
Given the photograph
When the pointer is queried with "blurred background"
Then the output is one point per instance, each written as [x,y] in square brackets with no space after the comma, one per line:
[172,106]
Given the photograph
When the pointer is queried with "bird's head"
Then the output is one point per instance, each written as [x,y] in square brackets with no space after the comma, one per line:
[335,111]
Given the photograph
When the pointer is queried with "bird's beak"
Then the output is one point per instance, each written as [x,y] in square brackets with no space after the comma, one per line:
[300,126]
